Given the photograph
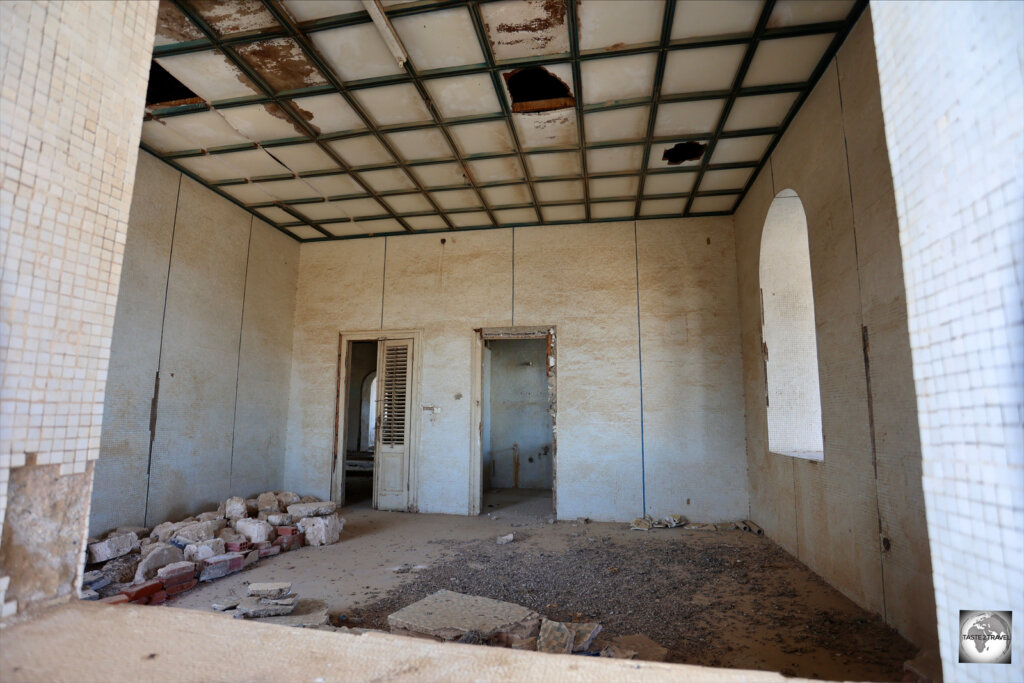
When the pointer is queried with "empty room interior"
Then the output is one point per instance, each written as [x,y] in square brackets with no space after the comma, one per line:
[512,340]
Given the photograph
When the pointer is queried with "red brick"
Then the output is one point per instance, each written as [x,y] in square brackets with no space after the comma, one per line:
[158,597]
[272,550]
[287,530]
[118,599]
[140,601]
[143,589]
[237,546]
[181,587]
[178,580]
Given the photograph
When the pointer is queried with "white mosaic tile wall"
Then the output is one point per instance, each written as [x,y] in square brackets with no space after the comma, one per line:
[953,102]
[72,84]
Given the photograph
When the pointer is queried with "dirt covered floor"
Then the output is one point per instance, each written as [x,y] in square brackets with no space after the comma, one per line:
[714,598]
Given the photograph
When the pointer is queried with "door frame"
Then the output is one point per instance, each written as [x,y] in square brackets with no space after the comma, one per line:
[476,481]
[345,339]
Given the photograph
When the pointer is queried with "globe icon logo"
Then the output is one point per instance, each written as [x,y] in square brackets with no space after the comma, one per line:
[985,637]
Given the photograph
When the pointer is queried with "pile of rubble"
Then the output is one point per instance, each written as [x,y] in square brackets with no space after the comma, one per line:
[647,522]
[450,616]
[134,564]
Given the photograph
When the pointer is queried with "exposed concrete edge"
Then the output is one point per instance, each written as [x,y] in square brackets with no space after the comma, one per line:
[81,641]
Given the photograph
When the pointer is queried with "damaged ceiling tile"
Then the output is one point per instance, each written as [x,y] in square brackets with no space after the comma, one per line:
[253,163]
[233,16]
[281,63]
[157,135]
[174,27]
[435,40]
[261,122]
[662,149]
[518,29]
[681,152]
[205,129]
[328,113]
[356,52]
[546,129]
[209,74]
[303,158]
[617,24]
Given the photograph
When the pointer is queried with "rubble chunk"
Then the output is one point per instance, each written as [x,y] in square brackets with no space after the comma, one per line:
[585,635]
[507,538]
[234,508]
[286,498]
[176,572]
[221,565]
[197,552]
[268,503]
[193,533]
[255,608]
[255,530]
[210,516]
[280,519]
[161,555]
[251,507]
[224,604]
[121,569]
[321,530]
[447,615]
[114,546]
[270,590]
[143,589]
[555,637]
[314,509]
[139,531]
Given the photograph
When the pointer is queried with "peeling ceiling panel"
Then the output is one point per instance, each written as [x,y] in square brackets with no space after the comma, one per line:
[554,164]
[669,183]
[710,84]
[706,18]
[660,207]
[303,158]
[281,63]
[387,179]
[618,78]
[365,150]
[525,29]
[575,212]
[759,111]
[712,68]
[329,113]
[546,129]
[173,27]
[393,104]
[435,40]
[409,203]
[260,122]
[308,10]
[796,12]
[334,185]
[488,137]
[615,159]
[615,24]
[507,195]
[712,204]
[623,186]
[687,118]
[515,216]
[463,95]
[209,74]
[617,124]
[356,52]
[786,60]
[456,199]
[560,191]
[440,175]
[426,143]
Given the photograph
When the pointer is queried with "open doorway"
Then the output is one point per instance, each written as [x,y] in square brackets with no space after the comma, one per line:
[517,427]
[360,423]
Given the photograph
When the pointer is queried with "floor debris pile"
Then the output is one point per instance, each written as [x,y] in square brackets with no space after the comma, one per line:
[142,566]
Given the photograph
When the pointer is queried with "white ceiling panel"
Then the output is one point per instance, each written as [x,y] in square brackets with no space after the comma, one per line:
[329,113]
[495,170]
[305,232]
[334,185]
[515,216]
[487,137]
[546,129]
[710,204]
[307,10]
[609,24]
[456,199]
[303,158]
[463,95]
[209,167]
[560,191]
[786,60]
[393,104]
[409,203]
[600,210]
[759,111]
[737,150]
[388,179]
[276,215]
[687,118]
[553,164]
[669,183]
[711,68]
[618,78]
[258,124]
[356,52]
[439,39]
[160,137]
[248,193]
[731,179]
[364,150]
[381,226]
[569,212]
[434,222]
[440,175]
[798,12]
[470,219]
[624,186]
[506,195]
[615,159]
[617,124]
[203,130]
[285,190]
[706,18]
[209,74]
[426,143]
[657,207]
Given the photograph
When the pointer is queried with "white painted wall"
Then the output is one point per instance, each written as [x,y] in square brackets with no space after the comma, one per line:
[208,301]
[685,305]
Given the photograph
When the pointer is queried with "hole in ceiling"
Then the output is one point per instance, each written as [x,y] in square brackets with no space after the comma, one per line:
[165,89]
[535,89]
[683,151]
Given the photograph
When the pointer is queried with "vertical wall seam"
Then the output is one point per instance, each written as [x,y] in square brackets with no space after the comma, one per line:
[238,361]
[383,281]
[864,343]
[513,323]
[640,361]
[160,356]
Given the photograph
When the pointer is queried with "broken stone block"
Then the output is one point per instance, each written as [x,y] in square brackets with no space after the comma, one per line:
[270,590]
[555,638]
[166,531]
[209,516]
[280,519]
[175,572]
[139,531]
[585,635]
[255,530]
[88,594]
[224,604]
[197,552]
[95,579]
[193,533]
[251,558]
[228,535]
[447,615]
[321,530]
[251,507]
[315,509]
[286,543]
[268,503]
[309,499]
[306,614]
[255,608]
[161,555]
[286,498]
[507,538]
[121,569]
[234,508]
[115,546]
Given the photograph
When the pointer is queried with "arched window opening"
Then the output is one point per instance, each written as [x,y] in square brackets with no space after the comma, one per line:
[790,347]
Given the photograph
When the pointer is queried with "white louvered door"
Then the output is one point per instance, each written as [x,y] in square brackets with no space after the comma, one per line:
[391,466]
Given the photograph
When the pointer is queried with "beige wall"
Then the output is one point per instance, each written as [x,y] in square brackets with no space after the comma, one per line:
[688,325]
[206,301]
[834,514]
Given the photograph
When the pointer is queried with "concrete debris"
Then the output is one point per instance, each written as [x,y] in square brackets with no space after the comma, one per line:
[280,519]
[641,524]
[114,546]
[507,538]
[447,615]
[88,594]
[234,508]
[675,520]
[308,499]
[221,565]
[194,533]
[555,638]
[305,614]
[255,530]
[210,517]
[161,555]
[177,572]
[95,579]
[229,535]
[121,569]
[255,608]
[286,498]
[321,530]
[197,552]
[312,509]
[270,590]
[585,635]
[268,503]
[224,604]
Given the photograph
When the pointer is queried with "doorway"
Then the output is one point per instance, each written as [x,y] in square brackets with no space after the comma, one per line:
[360,423]
[517,427]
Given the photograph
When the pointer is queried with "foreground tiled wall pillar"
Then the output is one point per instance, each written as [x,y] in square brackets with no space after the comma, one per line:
[953,103]
[72,88]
